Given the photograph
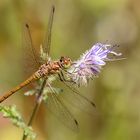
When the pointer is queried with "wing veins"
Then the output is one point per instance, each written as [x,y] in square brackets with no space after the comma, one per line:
[31,44]
[79,101]
[77,92]
[67,117]
[47,40]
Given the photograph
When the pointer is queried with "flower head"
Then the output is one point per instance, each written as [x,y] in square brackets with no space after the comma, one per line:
[90,63]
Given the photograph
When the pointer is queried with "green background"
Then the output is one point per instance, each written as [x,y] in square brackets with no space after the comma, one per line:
[78,24]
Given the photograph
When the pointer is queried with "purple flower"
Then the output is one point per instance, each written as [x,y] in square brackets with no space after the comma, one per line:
[90,63]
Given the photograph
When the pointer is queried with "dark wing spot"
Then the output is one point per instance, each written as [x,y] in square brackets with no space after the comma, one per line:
[27,26]
[53,8]
[93,104]
[76,122]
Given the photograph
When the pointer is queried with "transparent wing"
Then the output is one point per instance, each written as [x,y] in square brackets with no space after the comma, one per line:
[30,43]
[30,56]
[60,110]
[79,101]
[47,39]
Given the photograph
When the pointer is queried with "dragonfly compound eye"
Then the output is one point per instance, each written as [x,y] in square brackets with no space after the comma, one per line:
[65,62]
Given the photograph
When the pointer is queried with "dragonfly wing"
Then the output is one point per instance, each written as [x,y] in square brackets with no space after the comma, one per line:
[30,56]
[79,101]
[55,105]
[47,39]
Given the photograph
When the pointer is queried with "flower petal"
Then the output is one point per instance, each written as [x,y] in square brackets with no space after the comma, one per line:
[91,62]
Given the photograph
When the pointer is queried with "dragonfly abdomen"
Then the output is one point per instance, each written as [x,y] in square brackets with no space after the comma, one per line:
[23,84]
[44,70]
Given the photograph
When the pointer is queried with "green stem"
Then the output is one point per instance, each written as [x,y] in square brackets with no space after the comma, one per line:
[36,107]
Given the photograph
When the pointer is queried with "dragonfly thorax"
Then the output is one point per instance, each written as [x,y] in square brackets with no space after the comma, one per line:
[53,67]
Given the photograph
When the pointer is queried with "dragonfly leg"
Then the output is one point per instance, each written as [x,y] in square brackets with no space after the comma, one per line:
[63,78]
[60,77]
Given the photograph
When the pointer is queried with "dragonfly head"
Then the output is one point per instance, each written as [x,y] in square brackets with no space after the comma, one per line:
[65,62]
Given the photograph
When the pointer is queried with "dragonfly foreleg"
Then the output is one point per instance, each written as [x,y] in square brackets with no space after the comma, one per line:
[63,78]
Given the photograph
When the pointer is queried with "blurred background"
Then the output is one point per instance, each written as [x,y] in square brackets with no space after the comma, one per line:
[77,26]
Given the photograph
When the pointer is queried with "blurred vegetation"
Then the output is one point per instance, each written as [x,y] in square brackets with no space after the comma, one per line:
[77,26]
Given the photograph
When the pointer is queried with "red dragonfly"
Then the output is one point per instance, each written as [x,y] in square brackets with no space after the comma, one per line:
[45,70]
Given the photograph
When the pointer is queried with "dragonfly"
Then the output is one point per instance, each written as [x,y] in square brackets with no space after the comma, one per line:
[48,68]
